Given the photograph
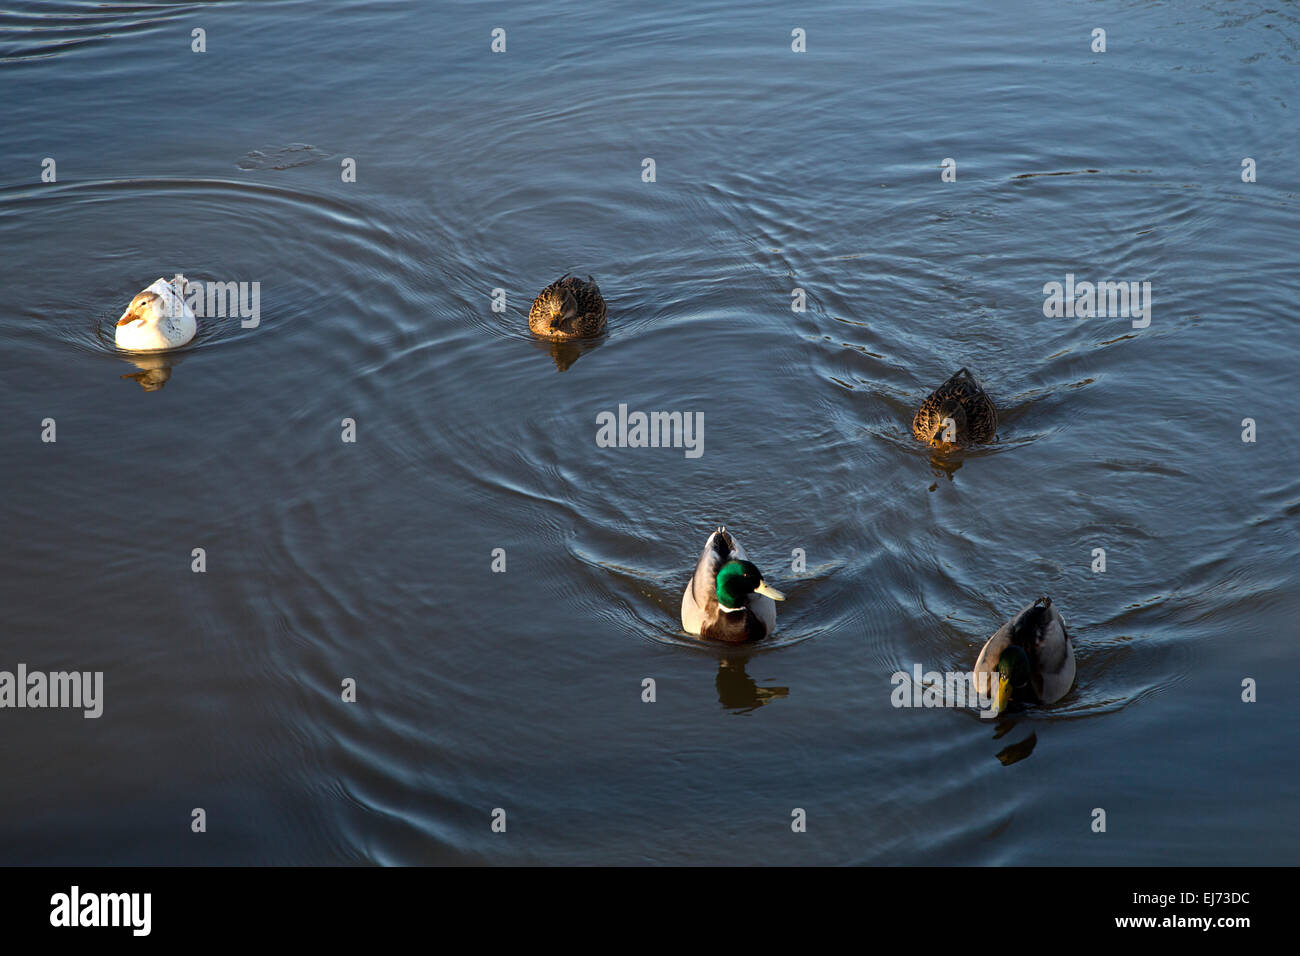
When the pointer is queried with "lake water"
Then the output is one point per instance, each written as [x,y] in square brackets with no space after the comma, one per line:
[773,170]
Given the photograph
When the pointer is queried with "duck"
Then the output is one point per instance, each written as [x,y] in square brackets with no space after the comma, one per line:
[1032,656]
[727,599]
[157,319]
[568,308]
[963,399]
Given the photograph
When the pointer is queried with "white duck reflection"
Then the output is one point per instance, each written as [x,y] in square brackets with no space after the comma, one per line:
[153,370]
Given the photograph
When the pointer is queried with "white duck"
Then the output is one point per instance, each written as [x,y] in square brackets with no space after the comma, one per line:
[157,319]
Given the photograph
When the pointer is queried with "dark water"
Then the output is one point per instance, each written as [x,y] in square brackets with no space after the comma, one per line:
[774,170]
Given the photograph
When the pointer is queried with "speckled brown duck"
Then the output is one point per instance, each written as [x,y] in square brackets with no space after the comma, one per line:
[963,400]
[568,308]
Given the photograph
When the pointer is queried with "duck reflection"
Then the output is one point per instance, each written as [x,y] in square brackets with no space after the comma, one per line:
[738,692]
[565,353]
[1013,753]
[944,465]
[153,370]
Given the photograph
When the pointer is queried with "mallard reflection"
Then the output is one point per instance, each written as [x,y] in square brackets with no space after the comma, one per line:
[1018,751]
[739,692]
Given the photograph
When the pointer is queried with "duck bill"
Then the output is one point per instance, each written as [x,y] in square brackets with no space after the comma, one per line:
[128,316]
[1004,694]
[771,592]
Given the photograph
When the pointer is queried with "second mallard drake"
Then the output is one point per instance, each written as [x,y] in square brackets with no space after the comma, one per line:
[957,412]
[1032,657]
[727,599]
[568,308]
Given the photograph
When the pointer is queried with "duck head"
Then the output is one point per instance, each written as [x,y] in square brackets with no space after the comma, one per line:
[949,410]
[737,580]
[147,306]
[564,309]
[1013,677]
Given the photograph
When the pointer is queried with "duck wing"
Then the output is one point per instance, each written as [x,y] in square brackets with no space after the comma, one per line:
[763,609]
[1050,650]
[700,599]
[981,415]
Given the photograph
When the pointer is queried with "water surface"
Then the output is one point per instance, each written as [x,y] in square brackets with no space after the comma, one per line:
[523,690]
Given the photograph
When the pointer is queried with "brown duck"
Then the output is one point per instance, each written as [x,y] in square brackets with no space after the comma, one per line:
[568,308]
[963,400]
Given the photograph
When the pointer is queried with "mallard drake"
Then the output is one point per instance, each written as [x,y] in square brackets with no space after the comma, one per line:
[963,400]
[727,599]
[156,319]
[1032,656]
[568,308]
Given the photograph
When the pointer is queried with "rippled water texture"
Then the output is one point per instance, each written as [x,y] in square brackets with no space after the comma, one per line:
[523,690]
